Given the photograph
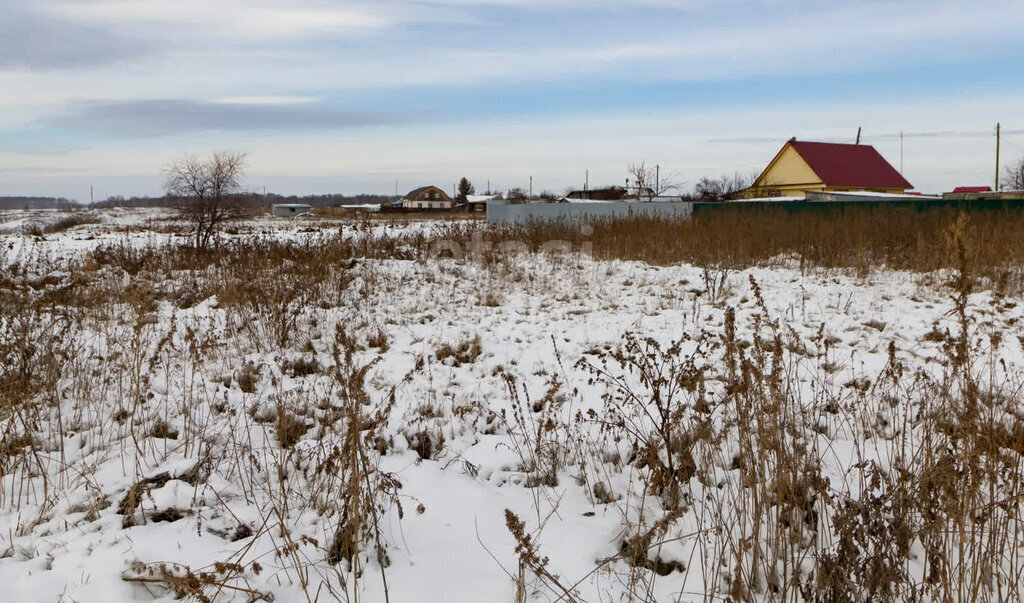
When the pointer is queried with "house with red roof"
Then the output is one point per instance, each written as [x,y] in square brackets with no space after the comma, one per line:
[827,167]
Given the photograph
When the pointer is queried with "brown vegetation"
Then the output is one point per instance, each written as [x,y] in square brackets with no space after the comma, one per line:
[708,427]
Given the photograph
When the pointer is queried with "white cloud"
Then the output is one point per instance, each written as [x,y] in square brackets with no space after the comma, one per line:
[239,18]
[281,99]
[236,48]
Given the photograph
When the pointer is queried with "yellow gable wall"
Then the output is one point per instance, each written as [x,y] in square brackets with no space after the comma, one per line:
[790,173]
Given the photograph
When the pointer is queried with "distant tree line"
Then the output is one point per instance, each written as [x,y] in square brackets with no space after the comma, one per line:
[251,200]
[37,203]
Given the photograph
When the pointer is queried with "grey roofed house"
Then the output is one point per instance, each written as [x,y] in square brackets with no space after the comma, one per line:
[285,210]
[427,197]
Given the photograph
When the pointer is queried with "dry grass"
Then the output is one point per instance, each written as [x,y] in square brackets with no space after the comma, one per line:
[861,238]
[464,352]
[714,429]
[251,271]
[708,432]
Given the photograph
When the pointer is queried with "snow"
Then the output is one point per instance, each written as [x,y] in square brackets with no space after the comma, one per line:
[880,195]
[772,199]
[551,311]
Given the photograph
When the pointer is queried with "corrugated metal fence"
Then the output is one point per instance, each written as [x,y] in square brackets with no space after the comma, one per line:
[521,213]
[838,207]
[506,213]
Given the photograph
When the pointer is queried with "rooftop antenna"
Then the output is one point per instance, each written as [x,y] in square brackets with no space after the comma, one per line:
[858,135]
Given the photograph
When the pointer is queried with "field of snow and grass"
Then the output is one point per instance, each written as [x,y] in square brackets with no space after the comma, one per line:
[363,411]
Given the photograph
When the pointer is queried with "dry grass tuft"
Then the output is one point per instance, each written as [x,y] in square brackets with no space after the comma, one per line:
[464,352]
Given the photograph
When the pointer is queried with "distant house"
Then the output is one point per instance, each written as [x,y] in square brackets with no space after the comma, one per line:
[284,210]
[827,167]
[610,193]
[427,197]
[972,193]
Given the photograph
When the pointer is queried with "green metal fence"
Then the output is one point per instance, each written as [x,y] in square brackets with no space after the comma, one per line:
[840,207]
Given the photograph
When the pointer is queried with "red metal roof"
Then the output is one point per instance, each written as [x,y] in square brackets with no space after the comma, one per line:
[850,165]
[972,189]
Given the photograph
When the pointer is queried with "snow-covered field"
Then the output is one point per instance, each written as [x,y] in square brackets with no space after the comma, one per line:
[663,433]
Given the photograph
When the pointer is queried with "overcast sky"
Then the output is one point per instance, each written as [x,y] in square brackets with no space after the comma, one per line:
[340,96]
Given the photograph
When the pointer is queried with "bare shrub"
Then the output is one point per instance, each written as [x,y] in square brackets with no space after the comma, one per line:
[200,585]
[364,493]
[378,338]
[464,352]
[538,431]
[303,366]
[290,427]
[248,378]
[656,417]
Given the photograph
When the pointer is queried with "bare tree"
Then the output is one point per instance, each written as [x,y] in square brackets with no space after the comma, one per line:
[1013,177]
[206,191]
[517,195]
[647,181]
[724,188]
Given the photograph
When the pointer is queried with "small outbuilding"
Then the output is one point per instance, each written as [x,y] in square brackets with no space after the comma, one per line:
[478,203]
[288,210]
[427,197]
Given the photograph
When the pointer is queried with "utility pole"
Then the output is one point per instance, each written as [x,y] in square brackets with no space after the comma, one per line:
[657,179]
[91,199]
[531,188]
[997,159]
[858,135]
[901,152]
[586,181]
